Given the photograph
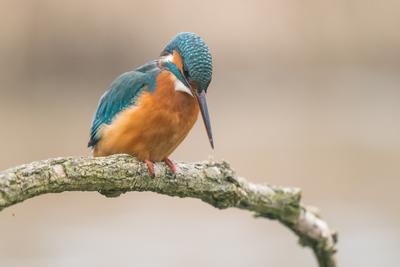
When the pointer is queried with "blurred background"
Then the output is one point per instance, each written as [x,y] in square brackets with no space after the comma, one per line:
[304,93]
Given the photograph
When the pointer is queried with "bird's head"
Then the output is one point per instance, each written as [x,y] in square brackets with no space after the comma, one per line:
[196,58]
[188,57]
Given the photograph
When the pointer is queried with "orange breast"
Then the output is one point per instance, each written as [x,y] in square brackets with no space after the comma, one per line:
[154,127]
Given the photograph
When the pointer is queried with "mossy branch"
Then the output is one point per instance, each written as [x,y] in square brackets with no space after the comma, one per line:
[212,182]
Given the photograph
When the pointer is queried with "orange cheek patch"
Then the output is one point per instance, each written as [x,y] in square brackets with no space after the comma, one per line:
[177,59]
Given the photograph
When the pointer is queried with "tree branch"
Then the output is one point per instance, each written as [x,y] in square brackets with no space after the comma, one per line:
[212,182]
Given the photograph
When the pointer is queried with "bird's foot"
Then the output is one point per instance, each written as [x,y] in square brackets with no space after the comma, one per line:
[150,167]
[170,165]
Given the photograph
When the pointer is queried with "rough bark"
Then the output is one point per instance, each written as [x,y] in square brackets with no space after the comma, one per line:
[212,182]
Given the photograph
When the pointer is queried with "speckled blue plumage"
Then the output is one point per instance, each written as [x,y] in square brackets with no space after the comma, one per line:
[197,60]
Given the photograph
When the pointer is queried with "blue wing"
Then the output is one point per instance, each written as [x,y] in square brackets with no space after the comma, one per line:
[122,94]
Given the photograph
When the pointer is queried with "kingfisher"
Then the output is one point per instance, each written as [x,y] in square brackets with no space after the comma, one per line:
[147,112]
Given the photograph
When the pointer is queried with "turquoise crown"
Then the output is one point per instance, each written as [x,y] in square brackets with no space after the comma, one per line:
[197,60]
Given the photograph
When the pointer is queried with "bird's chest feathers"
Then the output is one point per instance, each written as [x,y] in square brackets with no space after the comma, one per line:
[159,121]
[171,114]
[172,97]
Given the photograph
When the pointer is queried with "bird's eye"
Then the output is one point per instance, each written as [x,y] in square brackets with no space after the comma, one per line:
[186,73]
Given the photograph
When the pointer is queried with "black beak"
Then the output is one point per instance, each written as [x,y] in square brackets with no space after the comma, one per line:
[201,98]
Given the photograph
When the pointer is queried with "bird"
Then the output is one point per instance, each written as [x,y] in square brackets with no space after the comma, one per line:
[148,111]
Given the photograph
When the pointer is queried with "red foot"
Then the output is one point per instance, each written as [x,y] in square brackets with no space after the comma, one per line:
[150,167]
[170,165]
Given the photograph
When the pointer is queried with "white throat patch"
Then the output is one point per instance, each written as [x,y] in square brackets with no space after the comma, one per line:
[179,86]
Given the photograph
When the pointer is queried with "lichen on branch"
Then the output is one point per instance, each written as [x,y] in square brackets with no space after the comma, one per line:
[213,182]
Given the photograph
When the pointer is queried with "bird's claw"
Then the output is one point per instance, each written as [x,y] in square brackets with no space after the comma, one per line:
[170,165]
[150,167]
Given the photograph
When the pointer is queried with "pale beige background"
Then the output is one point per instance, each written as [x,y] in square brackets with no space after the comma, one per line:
[305,93]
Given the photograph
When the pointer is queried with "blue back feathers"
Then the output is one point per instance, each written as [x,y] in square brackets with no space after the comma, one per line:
[197,61]
[123,93]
